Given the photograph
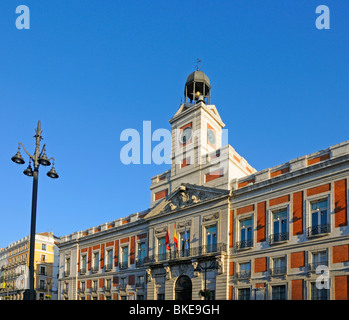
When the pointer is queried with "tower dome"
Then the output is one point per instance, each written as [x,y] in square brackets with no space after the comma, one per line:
[197,88]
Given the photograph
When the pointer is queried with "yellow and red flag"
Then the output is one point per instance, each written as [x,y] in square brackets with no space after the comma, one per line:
[175,237]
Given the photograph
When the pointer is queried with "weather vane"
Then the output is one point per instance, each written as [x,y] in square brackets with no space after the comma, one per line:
[197,64]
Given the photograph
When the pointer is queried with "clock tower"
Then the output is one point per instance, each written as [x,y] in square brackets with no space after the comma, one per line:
[197,154]
[196,126]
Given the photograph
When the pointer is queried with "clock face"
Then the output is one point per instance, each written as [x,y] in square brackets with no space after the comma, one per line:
[185,135]
[211,137]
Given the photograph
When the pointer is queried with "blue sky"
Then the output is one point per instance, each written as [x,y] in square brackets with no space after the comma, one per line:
[90,69]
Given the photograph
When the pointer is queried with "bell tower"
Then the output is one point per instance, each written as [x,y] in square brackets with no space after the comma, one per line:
[196,126]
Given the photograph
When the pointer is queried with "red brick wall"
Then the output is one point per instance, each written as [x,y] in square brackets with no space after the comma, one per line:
[298,213]
[340,253]
[319,189]
[132,250]
[261,219]
[116,256]
[297,259]
[297,289]
[245,209]
[279,200]
[231,229]
[260,264]
[340,202]
[161,194]
[341,288]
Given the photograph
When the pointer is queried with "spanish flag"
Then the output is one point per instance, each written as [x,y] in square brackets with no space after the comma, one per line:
[175,237]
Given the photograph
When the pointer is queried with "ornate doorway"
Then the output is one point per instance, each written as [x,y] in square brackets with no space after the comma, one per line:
[183,288]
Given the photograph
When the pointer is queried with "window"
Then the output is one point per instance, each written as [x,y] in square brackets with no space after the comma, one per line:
[42,270]
[108,284]
[244,294]
[319,294]
[83,264]
[245,270]
[95,261]
[318,259]
[94,286]
[279,225]
[82,286]
[245,234]
[140,297]
[185,244]
[124,257]
[162,248]
[43,246]
[42,284]
[141,254]
[43,258]
[140,281]
[211,239]
[279,266]
[318,218]
[123,283]
[67,267]
[279,292]
[109,260]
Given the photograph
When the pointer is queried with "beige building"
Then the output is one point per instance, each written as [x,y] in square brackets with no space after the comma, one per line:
[14,268]
[279,233]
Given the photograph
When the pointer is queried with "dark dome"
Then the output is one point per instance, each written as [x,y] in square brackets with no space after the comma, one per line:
[197,81]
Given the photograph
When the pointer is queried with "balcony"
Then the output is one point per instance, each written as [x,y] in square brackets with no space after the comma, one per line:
[278,238]
[243,275]
[95,269]
[278,271]
[312,266]
[83,271]
[123,265]
[245,244]
[192,252]
[321,229]
[108,266]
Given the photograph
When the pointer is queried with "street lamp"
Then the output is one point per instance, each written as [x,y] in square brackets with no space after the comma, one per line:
[39,158]
[208,265]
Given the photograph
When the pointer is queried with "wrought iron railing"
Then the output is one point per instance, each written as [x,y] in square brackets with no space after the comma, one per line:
[192,252]
[245,274]
[277,271]
[123,265]
[318,230]
[312,266]
[245,244]
[278,237]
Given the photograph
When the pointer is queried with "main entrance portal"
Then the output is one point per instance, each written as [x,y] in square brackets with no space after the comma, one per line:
[183,288]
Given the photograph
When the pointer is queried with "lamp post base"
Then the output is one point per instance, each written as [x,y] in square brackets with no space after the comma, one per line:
[29,295]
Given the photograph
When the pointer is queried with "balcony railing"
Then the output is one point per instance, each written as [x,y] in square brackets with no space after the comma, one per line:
[278,237]
[140,261]
[123,265]
[246,274]
[108,266]
[192,252]
[278,271]
[320,229]
[312,266]
[245,244]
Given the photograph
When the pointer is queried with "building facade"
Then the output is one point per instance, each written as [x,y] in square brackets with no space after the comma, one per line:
[14,268]
[219,229]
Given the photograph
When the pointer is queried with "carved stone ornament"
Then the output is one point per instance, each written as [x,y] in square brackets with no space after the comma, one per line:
[210,217]
[160,230]
[168,272]
[186,197]
[149,276]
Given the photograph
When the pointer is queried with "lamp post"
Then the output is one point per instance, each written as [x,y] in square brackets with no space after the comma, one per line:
[39,158]
[213,265]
